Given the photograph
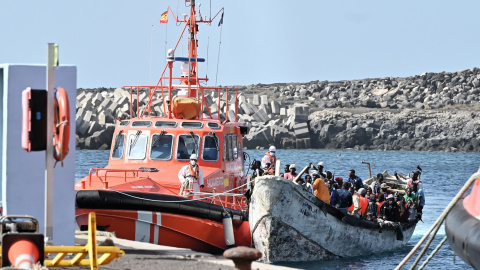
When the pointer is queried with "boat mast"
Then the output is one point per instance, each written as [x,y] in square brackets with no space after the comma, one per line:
[192,50]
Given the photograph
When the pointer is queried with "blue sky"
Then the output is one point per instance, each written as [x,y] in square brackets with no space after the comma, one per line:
[114,43]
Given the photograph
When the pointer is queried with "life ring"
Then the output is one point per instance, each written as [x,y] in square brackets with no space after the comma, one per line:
[61,126]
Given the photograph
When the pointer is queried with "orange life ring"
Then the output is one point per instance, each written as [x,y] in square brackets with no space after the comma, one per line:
[61,126]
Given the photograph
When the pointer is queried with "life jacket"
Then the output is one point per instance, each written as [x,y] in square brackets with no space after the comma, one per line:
[363,205]
[194,174]
[273,160]
[350,209]
[379,204]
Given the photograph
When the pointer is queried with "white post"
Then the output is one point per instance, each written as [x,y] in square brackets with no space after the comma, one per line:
[52,62]
[277,168]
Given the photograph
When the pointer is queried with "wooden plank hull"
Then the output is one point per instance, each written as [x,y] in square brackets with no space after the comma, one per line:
[289,224]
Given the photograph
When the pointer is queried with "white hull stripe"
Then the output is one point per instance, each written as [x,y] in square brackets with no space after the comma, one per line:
[142,226]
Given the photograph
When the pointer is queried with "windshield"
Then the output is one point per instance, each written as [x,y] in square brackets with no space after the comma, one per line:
[138,146]
[118,147]
[187,146]
[161,146]
[210,148]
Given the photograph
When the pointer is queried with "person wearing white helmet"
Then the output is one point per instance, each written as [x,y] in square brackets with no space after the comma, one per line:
[270,157]
[191,177]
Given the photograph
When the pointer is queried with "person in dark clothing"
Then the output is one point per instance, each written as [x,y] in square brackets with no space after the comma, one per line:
[356,181]
[256,167]
[390,210]
[329,180]
[334,198]
[345,198]
[372,208]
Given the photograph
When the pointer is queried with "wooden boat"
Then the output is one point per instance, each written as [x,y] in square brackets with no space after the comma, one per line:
[136,195]
[462,226]
[395,185]
[290,224]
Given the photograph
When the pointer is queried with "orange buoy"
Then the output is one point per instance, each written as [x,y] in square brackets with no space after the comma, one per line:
[23,254]
[61,127]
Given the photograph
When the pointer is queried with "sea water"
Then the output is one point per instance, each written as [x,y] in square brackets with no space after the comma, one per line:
[443,176]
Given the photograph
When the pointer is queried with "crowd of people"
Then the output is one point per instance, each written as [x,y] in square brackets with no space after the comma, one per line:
[371,202]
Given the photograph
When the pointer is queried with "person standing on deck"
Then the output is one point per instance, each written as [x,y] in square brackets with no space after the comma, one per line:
[270,157]
[356,181]
[191,177]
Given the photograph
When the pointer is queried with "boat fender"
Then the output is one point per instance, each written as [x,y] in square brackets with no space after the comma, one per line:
[61,127]
[228,231]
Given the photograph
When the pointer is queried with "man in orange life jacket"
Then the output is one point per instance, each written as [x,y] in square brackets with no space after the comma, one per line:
[360,203]
[191,177]
[270,157]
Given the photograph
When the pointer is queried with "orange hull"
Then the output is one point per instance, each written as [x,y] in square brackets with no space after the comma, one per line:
[166,229]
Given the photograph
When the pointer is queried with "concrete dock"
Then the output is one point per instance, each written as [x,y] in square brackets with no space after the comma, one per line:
[145,256]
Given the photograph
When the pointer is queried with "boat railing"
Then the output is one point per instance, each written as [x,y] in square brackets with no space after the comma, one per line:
[167,93]
[95,171]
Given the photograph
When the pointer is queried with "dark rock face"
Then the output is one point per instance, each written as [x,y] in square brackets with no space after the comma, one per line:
[427,112]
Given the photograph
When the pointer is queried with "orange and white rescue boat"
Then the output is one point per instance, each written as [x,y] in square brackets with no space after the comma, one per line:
[136,195]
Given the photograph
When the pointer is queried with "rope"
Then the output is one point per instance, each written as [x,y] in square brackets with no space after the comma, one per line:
[433,253]
[437,224]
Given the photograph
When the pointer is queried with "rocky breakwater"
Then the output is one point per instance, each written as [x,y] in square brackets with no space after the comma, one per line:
[431,111]
[408,129]
[98,111]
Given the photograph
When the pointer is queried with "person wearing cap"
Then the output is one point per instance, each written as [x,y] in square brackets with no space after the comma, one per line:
[191,177]
[320,167]
[390,210]
[339,181]
[270,157]
[384,190]
[356,181]
[292,174]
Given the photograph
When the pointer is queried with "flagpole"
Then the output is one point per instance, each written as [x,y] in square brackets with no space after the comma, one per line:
[219,47]
[151,50]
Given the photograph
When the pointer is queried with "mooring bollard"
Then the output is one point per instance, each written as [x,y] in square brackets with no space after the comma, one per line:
[242,257]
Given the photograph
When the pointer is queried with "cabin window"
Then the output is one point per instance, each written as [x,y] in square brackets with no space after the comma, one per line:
[210,148]
[137,145]
[191,125]
[124,123]
[234,146]
[118,146]
[240,150]
[225,150]
[213,125]
[187,145]
[166,124]
[161,146]
[141,124]
[230,148]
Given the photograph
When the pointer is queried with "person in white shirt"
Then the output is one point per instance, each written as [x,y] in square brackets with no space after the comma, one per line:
[191,177]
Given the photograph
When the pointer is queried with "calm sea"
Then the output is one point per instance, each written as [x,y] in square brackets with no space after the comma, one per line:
[443,176]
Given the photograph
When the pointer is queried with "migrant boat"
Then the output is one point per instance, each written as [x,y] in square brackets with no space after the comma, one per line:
[137,195]
[289,223]
[462,227]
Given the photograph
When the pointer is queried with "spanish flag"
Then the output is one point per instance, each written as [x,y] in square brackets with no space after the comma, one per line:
[164,17]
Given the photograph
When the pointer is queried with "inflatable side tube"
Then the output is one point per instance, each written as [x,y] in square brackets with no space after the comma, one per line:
[102,199]
[463,234]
